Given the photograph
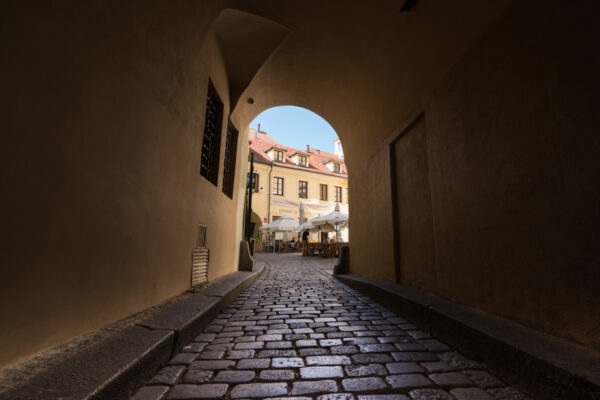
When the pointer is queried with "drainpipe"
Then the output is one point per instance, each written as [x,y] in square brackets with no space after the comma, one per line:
[270,193]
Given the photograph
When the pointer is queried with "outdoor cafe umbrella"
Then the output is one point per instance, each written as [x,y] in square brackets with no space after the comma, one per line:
[334,218]
[282,224]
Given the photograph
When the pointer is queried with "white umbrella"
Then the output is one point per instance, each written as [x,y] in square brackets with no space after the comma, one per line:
[284,224]
[333,218]
[307,225]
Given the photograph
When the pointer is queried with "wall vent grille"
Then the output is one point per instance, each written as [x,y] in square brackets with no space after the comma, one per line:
[199,266]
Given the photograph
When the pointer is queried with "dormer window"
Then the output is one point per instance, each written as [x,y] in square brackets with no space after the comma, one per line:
[278,156]
[302,161]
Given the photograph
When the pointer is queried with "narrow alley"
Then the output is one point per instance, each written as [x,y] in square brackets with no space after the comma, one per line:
[299,333]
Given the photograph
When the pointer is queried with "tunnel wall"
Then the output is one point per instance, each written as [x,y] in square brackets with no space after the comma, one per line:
[512,148]
[104,115]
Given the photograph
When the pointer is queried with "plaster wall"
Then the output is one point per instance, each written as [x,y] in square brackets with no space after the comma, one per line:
[103,108]
[511,138]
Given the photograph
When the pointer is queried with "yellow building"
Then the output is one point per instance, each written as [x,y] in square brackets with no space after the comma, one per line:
[285,177]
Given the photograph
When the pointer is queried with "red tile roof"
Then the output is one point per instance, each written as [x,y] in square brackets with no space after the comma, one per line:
[261,142]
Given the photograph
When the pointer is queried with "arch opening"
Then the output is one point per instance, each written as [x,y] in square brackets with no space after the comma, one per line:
[299,182]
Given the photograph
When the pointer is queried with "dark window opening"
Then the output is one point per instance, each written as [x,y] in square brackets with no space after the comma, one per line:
[254,184]
[211,141]
[323,192]
[303,189]
[336,168]
[278,156]
[338,194]
[231,138]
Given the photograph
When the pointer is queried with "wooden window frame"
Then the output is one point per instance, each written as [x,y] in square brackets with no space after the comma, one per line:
[276,154]
[278,187]
[303,189]
[323,189]
[338,194]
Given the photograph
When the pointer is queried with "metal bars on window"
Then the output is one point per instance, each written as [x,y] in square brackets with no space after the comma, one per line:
[231,138]
[211,141]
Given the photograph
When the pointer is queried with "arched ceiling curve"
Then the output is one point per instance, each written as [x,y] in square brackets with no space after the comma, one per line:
[365,67]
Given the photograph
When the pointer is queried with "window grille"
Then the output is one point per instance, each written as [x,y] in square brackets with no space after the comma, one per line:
[231,138]
[211,141]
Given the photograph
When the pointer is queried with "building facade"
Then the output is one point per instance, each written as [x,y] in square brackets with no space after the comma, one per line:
[285,178]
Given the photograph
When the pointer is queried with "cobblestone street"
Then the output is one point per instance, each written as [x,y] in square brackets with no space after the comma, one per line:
[299,333]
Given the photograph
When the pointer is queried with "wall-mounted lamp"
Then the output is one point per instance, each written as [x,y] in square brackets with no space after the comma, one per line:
[408,5]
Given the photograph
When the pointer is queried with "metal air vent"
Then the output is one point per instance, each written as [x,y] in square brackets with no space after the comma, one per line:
[199,266]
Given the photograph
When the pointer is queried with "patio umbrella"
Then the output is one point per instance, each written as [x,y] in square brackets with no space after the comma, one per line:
[284,224]
[301,216]
[334,218]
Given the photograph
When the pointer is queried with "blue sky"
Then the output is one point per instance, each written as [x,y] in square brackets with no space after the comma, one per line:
[296,127]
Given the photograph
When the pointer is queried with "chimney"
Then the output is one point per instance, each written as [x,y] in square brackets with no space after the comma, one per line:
[308,148]
[258,127]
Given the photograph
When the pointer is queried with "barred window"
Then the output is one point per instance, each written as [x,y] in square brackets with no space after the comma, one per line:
[211,141]
[278,186]
[231,138]
[303,189]
[255,183]
[338,194]
[323,192]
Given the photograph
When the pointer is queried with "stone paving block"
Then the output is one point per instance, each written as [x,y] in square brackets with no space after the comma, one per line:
[277,353]
[483,379]
[404,368]
[279,345]
[183,359]
[287,362]
[306,343]
[209,391]
[457,360]
[414,356]
[212,364]
[253,363]
[470,394]
[359,340]
[349,349]
[451,379]
[250,390]
[194,347]
[310,387]
[336,396]
[220,346]
[321,372]
[197,376]
[312,351]
[393,339]
[434,345]
[430,394]
[410,347]
[239,354]
[507,393]
[210,355]
[365,370]
[408,381]
[328,360]
[234,376]
[376,358]
[436,366]
[376,348]
[363,384]
[151,393]
[167,376]
[383,397]
[249,346]
[206,337]
[277,375]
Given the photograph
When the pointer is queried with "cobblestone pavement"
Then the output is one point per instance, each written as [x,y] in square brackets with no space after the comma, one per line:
[298,333]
